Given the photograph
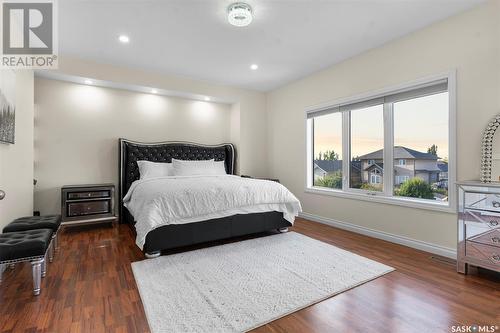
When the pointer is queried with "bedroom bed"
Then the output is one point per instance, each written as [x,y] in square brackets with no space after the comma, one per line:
[154,235]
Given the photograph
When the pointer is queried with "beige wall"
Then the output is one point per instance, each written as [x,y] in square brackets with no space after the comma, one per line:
[77,129]
[468,43]
[16,161]
[251,131]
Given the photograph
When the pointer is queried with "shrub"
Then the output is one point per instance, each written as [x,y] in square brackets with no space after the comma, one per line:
[333,180]
[415,188]
[370,187]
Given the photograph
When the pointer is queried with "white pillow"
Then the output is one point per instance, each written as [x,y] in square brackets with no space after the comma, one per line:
[198,168]
[219,168]
[149,169]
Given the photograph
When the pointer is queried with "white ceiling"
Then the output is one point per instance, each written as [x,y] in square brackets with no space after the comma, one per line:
[287,39]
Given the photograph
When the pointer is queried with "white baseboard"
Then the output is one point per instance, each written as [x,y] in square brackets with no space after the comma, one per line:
[413,243]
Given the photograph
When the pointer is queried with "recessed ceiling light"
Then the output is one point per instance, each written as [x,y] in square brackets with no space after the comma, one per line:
[254,67]
[207,99]
[239,14]
[124,39]
[154,91]
[87,81]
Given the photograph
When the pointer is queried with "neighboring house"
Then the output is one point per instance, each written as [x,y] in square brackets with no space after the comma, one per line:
[443,170]
[326,167]
[408,164]
[443,174]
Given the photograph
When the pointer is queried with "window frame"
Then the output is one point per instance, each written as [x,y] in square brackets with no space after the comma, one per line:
[386,196]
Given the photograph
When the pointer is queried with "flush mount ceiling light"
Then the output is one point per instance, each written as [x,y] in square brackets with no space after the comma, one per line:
[124,39]
[254,67]
[239,14]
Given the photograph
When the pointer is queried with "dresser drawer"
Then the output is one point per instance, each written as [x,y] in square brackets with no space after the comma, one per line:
[88,208]
[486,253]
[490,237]
[482,201]
[88,195]
[487,219]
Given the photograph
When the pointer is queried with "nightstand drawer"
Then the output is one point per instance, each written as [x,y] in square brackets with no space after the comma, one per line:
[89,208]
[490,254]
[89,195]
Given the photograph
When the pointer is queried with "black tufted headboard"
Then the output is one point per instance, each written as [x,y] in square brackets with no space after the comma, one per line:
[132,151]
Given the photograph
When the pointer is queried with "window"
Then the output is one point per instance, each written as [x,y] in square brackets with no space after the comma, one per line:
[401,179]
[366,141]
[375,179]
[421,130]
[407,129]
[327,163]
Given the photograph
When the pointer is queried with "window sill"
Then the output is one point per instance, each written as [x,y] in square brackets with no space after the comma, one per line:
[411,203]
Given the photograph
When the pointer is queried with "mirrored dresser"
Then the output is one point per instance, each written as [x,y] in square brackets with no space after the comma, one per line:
[478,226]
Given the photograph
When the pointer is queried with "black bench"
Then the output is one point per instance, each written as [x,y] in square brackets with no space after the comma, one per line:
[21,246]
[37,222]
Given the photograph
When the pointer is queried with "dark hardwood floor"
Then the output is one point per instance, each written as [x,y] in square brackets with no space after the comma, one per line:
[90,288]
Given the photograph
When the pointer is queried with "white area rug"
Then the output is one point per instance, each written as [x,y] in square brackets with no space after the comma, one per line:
[240,286]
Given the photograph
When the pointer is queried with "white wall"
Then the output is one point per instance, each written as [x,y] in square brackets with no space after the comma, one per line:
[251,132]
[16,160]
[77,129]
[468,43]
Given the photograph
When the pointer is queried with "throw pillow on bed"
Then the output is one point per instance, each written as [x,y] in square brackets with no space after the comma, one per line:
[149,169]
[198,168]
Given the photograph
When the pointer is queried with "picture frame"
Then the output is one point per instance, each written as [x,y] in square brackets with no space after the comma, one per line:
[7,106]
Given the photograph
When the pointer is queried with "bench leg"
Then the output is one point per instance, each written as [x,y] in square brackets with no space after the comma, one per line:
[51,252]
[44,266]
[56,237]
[2,267]
[36,266]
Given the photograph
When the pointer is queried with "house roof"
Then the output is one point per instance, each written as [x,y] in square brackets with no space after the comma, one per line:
[400,153]
[379,166]
[332,166]
[329,165]
[356,165]
[443,167]
[399,170]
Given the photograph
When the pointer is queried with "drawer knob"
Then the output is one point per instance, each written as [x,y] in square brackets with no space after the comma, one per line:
[496,257]
[493,223]
[496,204]
[495,239]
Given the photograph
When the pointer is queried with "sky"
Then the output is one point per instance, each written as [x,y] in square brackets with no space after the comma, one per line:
[418,124]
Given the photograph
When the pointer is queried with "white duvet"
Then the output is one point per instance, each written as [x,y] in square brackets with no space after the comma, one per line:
[162,201]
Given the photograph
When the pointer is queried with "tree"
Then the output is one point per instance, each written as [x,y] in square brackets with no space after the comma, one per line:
[333,180]
[433,150]
[329,155]
[415,188]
